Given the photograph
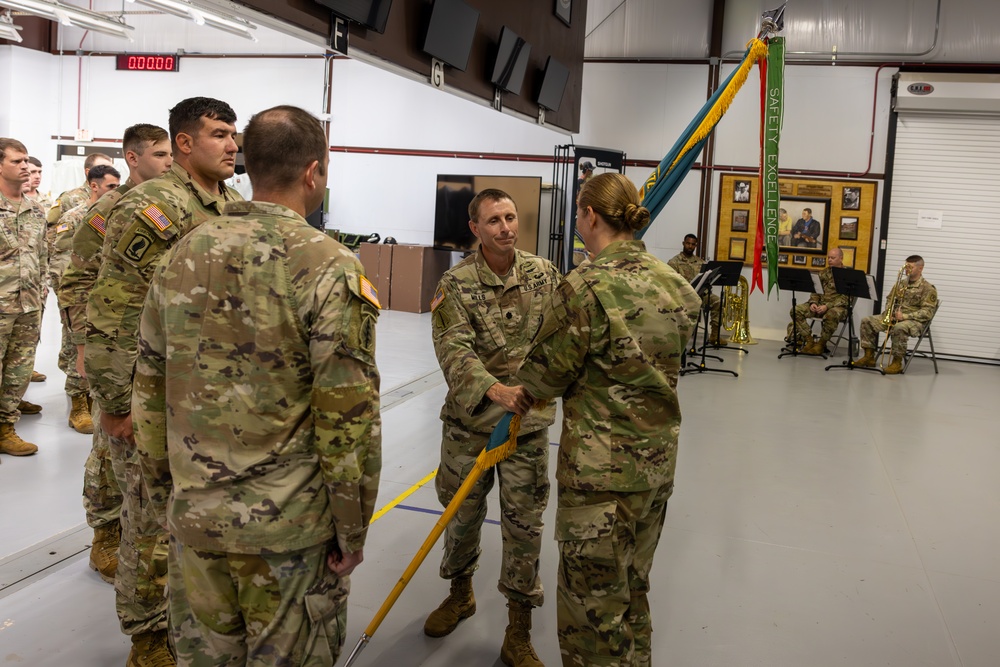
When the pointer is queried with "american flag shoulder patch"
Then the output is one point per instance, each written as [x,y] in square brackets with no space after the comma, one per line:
[368,292]
[438,298]
[156,216]
[99,224]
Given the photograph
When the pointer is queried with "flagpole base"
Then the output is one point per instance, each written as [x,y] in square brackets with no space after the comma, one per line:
[362,643]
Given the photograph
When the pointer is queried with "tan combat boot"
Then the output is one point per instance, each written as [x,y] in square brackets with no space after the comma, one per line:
[867,361]
[79,415]
[896,367]
[104,551]
[150,649]
[38,377]
[28,408]
[517,650]
[11,443]
[460,604]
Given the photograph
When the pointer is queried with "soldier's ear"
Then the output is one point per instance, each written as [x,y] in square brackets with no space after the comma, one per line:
[184,143]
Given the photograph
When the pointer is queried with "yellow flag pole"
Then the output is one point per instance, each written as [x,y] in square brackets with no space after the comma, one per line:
[503,442]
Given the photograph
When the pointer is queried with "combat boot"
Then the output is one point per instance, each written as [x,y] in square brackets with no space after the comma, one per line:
[150,649]
[517,650]
[867,361]
[460,604]
[28,408]
[79,415]
[816,349]
[11,443]
[896,367]
[104,551]
[38,377]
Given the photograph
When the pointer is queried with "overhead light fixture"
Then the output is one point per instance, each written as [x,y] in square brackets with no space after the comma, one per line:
[7,28]
[71,16]
[203,16]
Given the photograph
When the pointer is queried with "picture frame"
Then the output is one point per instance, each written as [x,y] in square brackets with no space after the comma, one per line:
[737,250]
[848,256]
[782,258]
[810,229]
[799,259]
[848,228]
[819,262]
[741,220]
[564,10]
[741,191]
[851,199]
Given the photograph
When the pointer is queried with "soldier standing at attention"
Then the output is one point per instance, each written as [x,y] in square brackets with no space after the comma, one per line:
[256,410]
[147,152]
[689,265]
[102,179]
[485,312]
[44,199]
[147,221]
[611,346]
[22,259]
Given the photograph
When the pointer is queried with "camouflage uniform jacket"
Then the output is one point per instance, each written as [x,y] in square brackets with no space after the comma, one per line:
[689,267]
[147,221]
[256,402]
[59,238]
[482,326]
[66,202]
[918,300]
[44,200]
[85,261]
[611,347]
[829,297]
[23,255]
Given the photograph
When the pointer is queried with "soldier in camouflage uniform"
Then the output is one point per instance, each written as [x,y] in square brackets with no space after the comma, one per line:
[484,313]
[689,265]
[611,346]
[265,412]
[147,151]
[22,260]
[916,302]
[101,179]
[829,306]
[147,221]
[43,199]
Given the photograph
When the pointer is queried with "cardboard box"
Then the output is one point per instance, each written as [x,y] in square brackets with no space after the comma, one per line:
[416,271]
[377,260]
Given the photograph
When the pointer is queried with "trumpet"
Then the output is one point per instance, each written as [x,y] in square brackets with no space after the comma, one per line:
[889,318]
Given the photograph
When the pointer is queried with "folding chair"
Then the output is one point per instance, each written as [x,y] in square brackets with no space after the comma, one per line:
[924,333]
[841,330]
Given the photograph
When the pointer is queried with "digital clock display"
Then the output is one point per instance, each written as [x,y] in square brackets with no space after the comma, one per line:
[147,62]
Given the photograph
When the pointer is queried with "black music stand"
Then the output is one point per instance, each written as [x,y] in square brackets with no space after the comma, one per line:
[797,280]
[702,284]
[729,277]
[853,283]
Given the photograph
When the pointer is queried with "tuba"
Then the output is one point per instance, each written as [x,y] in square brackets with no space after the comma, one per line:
[891,305]
[736,315]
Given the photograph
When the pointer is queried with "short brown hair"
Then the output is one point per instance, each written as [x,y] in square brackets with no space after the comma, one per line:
[279,143]
[489,194]
[138,138]
[14,144]
[615,198]
[185,117]
[915,259]
[94,157]
[100,171]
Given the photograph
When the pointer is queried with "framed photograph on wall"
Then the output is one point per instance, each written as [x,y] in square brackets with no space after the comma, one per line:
[810,229]
[848,229]
[782,258]
[819,261]
[737,249]
[564,10]
[851,199]
[848,256]
[741,192]
[741,220]
[799,259]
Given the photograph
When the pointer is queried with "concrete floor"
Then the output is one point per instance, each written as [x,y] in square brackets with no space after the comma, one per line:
[819,519]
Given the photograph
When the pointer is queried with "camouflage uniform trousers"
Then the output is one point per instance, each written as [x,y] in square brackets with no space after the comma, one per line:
[102,497]
[76,384]
[901,333]
[142,553]
[712,301]
[266,610]
[18,340]
[801,313]
[524,493]
[606,546]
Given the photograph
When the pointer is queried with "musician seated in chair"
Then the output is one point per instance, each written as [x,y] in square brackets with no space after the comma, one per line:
[806,231]
[829,306]
[910,306]
[689,265]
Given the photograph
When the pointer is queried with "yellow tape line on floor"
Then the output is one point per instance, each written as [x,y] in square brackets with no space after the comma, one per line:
[403,496]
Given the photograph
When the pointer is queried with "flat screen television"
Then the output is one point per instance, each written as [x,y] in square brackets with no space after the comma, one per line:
[451,210]
[372,14]
[554,80]
[511,62]
[450,31]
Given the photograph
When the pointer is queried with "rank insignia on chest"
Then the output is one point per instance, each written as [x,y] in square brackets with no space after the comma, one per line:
[368,292]
[99,224]
[157,217]
[438,298]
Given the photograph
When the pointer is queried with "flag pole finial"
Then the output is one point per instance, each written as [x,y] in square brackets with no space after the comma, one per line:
[772,21]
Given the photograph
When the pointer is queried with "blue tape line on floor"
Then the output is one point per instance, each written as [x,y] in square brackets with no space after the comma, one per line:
[438,512]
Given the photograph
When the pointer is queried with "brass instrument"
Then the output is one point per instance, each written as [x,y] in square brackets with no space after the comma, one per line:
[888,319]
[736,313]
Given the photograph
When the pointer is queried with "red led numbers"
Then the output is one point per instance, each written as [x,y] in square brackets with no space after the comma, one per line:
[143,62]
